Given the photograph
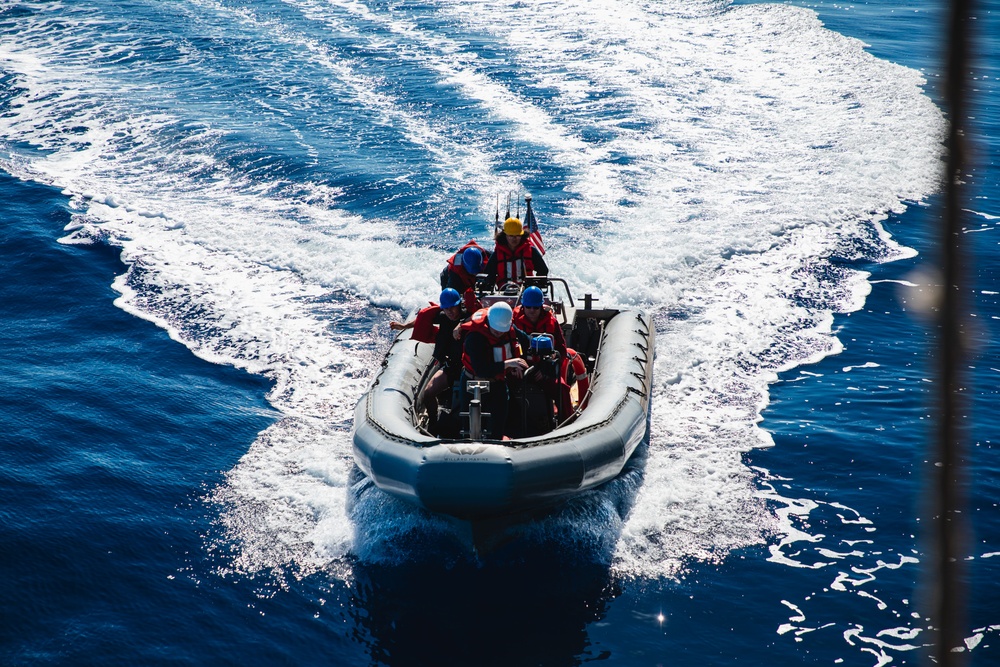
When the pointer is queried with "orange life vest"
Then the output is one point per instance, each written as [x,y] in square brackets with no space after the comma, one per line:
[424,329]
[546,323]
[455,264]
[514,265]
[505,346]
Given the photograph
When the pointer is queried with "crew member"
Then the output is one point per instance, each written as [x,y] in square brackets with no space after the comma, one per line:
[462,267]
[491,351]
[436,324]
[515,256]
[533,318]
[461,270]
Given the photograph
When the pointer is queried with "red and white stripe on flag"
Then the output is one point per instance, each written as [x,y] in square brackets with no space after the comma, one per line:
[536,240]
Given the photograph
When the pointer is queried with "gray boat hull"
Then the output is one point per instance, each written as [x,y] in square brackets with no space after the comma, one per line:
[481,479]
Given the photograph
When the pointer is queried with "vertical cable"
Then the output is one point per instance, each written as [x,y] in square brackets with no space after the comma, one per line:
[948,532]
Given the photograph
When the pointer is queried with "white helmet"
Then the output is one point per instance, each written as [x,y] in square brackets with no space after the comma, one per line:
[499,316]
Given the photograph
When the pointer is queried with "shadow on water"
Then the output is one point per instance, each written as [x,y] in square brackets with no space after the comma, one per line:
[424,596]
[533,612]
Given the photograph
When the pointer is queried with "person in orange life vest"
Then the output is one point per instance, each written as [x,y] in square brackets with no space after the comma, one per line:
[532,318]
[460,273]
[515,256]
[436,324]
[492,350]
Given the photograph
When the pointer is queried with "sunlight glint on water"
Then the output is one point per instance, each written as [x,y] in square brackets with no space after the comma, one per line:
[710,161]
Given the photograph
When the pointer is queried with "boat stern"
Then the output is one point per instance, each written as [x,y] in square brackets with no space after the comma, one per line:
[466,480]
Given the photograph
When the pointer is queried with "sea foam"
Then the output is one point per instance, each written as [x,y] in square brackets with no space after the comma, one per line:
[284,187]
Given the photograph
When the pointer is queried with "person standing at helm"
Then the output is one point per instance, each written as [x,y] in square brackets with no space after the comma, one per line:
[515,256]
[491,351]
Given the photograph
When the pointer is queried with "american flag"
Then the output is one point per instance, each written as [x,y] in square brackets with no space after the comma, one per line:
[531,224]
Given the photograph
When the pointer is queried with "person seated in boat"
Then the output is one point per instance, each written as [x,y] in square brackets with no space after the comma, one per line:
[463,266]
[533,318]
[515,256]
[461,270]
[533,398]
[436,324]
[491,350]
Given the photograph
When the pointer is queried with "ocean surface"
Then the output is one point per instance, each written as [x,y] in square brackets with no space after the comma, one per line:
[211,209]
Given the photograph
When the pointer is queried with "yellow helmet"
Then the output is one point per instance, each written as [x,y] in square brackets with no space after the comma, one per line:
[512,227]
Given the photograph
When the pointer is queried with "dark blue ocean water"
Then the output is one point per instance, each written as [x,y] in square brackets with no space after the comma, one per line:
[212,209]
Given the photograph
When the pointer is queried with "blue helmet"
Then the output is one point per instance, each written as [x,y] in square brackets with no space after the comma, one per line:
[532,298]
[472,260]
[542,344]
[450,298]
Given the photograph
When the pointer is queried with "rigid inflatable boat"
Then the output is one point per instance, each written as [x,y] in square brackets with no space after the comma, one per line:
[472,478]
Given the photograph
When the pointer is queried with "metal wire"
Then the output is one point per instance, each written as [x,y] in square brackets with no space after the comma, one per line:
[948,523]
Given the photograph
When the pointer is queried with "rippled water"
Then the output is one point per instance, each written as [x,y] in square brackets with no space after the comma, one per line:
[282,178]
